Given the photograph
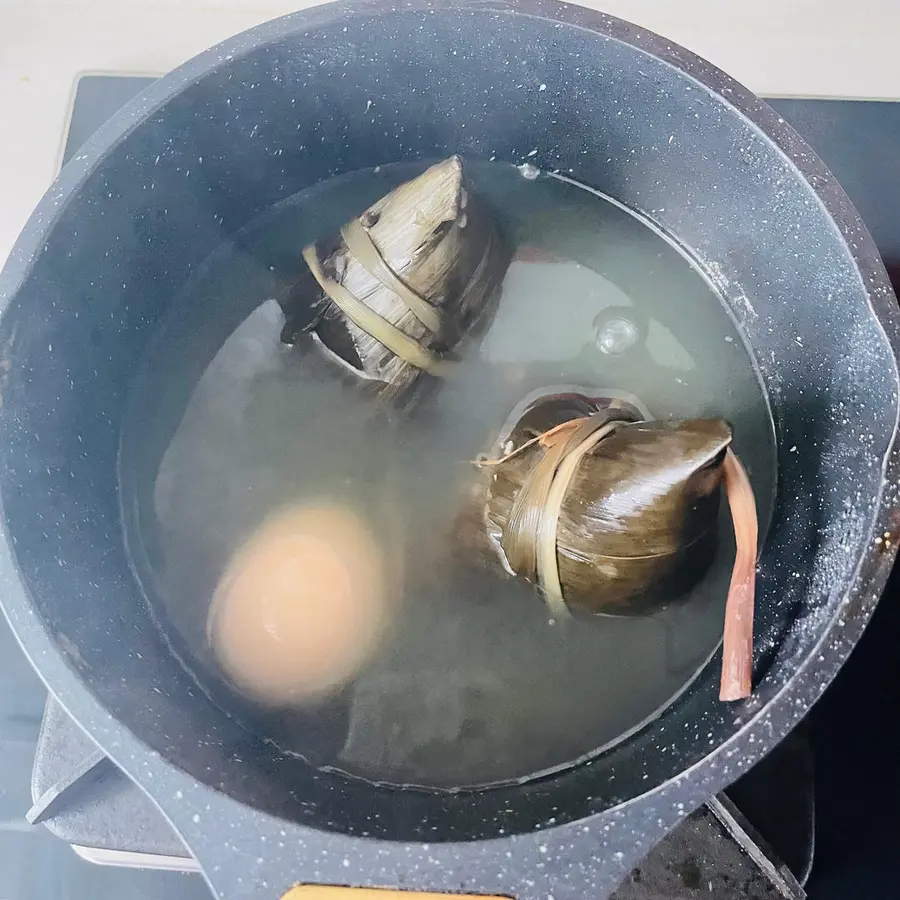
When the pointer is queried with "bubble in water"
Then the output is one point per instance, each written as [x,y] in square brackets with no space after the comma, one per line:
[616,335]
[529,170]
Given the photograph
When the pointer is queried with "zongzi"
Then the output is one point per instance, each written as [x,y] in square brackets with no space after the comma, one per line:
[401,286]
[608,513]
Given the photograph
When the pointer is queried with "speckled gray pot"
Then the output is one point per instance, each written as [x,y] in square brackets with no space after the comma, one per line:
[341,87]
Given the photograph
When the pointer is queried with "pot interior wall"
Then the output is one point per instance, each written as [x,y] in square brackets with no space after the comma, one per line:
[285,111]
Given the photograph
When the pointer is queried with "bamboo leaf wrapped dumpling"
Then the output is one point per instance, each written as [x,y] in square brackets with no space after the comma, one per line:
[641,502]
[409,280]
[608,513]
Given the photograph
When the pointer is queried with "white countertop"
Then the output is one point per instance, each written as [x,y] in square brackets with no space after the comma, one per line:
[780,47]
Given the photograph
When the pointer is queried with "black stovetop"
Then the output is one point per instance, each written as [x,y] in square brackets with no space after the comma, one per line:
[84,800]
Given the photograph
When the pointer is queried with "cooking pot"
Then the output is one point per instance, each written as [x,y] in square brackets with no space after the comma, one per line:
[351,85]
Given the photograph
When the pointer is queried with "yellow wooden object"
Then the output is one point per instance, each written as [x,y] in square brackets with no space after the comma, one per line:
[328,892]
